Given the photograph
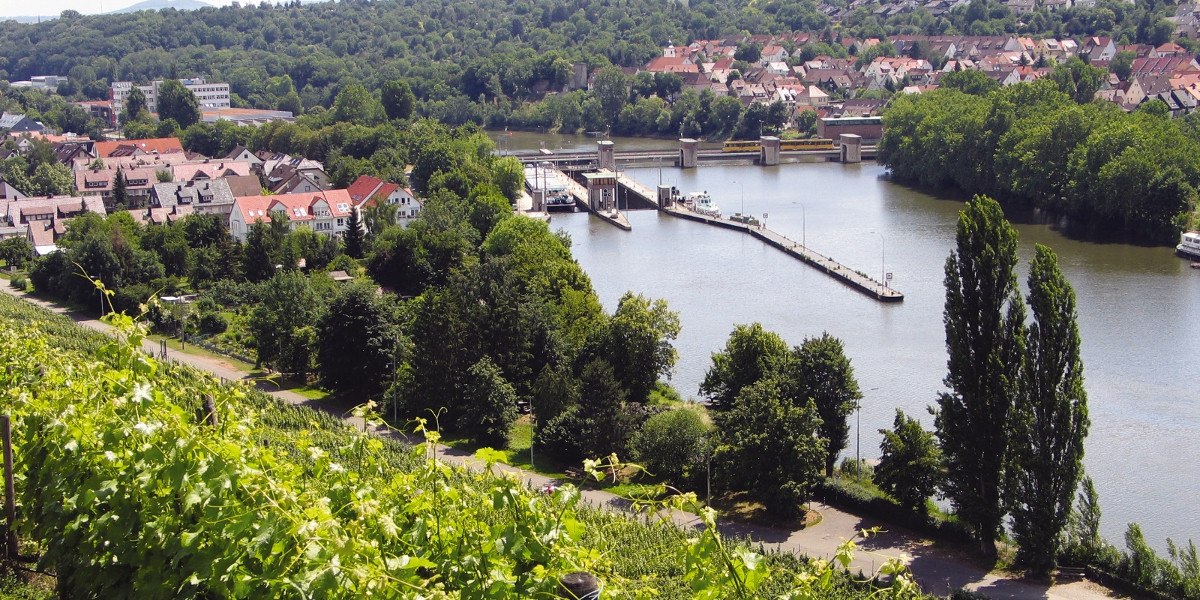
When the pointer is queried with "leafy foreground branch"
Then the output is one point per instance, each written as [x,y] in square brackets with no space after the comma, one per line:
[130,494]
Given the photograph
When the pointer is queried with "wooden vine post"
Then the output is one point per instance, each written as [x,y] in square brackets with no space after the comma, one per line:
[10,491]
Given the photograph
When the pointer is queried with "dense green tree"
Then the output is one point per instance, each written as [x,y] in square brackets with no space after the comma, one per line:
[354,104]
[357,341]
[768,446]
[1078,79]
[509,176]
[177,103]
[283,324]
[398,99]
[51,179]
[490,405]
[136,108]
[637,342]
[266,249]
[608,421]
[751,354]
[353,237]
[818,371]
[910,464]
[1122,64]
[984,318]
[15,252]
[611,88]
[969,82]
[674,444]
[750,53]
[1049,419]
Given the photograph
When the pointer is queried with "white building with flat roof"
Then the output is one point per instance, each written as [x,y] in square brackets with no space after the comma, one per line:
[209,95]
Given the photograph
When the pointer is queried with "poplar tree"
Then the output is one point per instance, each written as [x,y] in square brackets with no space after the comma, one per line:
[984,318]
[1050,419]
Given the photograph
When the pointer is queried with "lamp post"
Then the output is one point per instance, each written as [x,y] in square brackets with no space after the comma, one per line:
[743,188]
[708,478]
[395,371]
[882,259]
[803,225]
[858,437]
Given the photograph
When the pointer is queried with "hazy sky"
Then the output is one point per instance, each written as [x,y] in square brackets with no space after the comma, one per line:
[48,8]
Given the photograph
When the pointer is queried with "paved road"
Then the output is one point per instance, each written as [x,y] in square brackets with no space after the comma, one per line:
[938,568]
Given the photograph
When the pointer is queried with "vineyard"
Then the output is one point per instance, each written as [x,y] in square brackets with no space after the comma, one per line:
[128,488]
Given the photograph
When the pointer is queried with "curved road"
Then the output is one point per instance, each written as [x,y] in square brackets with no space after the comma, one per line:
[940,569]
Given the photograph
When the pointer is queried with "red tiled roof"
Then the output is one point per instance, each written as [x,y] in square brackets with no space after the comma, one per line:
[363,188]
[149,146]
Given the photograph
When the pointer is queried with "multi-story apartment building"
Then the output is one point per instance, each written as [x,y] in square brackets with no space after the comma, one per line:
[209,95]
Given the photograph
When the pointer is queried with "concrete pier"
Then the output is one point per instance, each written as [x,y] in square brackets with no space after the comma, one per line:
[843,274]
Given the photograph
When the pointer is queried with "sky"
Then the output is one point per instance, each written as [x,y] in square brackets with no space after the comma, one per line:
[51,8]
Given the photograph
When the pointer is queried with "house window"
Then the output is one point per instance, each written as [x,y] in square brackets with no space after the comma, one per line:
[341,223]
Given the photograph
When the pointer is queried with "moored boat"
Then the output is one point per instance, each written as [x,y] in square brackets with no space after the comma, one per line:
[701,202]
[1189,245]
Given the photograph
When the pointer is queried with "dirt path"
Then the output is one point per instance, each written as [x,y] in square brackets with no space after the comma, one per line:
[938,568]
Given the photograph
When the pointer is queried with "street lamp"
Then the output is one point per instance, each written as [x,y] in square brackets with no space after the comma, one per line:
[743,188]
[858,437]
[882,259]
[708,478]
[803,225]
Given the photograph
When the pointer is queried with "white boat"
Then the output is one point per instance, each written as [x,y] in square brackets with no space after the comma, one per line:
[1189,245]
[701,202]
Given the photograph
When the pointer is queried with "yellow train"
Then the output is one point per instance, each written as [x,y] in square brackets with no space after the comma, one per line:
[785,145]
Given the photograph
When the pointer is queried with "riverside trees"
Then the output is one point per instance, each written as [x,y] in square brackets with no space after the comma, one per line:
[1013,424]
[781,416]
[984,320]
[1033,144]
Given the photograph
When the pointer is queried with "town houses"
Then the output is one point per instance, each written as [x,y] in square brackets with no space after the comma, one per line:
[786,71]
[157,182]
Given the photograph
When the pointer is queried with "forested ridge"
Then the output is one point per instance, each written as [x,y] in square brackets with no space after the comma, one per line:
[478,61]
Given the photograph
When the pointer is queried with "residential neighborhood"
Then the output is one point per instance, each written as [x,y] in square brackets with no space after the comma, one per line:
[157,182]
[875,68]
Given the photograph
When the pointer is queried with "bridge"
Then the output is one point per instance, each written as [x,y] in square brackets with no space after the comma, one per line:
[689,154]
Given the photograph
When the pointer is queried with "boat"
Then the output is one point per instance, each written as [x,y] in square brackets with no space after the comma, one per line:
[561,201]
[701,202]
[1189,245]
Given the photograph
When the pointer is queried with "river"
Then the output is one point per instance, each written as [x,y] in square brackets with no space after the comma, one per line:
[1139,310]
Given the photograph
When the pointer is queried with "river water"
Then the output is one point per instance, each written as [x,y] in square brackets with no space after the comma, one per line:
[1139,310]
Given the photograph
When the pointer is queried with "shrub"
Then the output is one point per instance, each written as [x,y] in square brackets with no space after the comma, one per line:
[212,323]
[674,444]
[562,436]
[20,283]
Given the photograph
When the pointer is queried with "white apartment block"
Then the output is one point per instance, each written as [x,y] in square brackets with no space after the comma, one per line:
[209,95]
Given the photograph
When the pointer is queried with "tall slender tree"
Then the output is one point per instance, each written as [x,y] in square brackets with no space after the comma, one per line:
[984,318]
[1050,419]
[120,195]
[354,235]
